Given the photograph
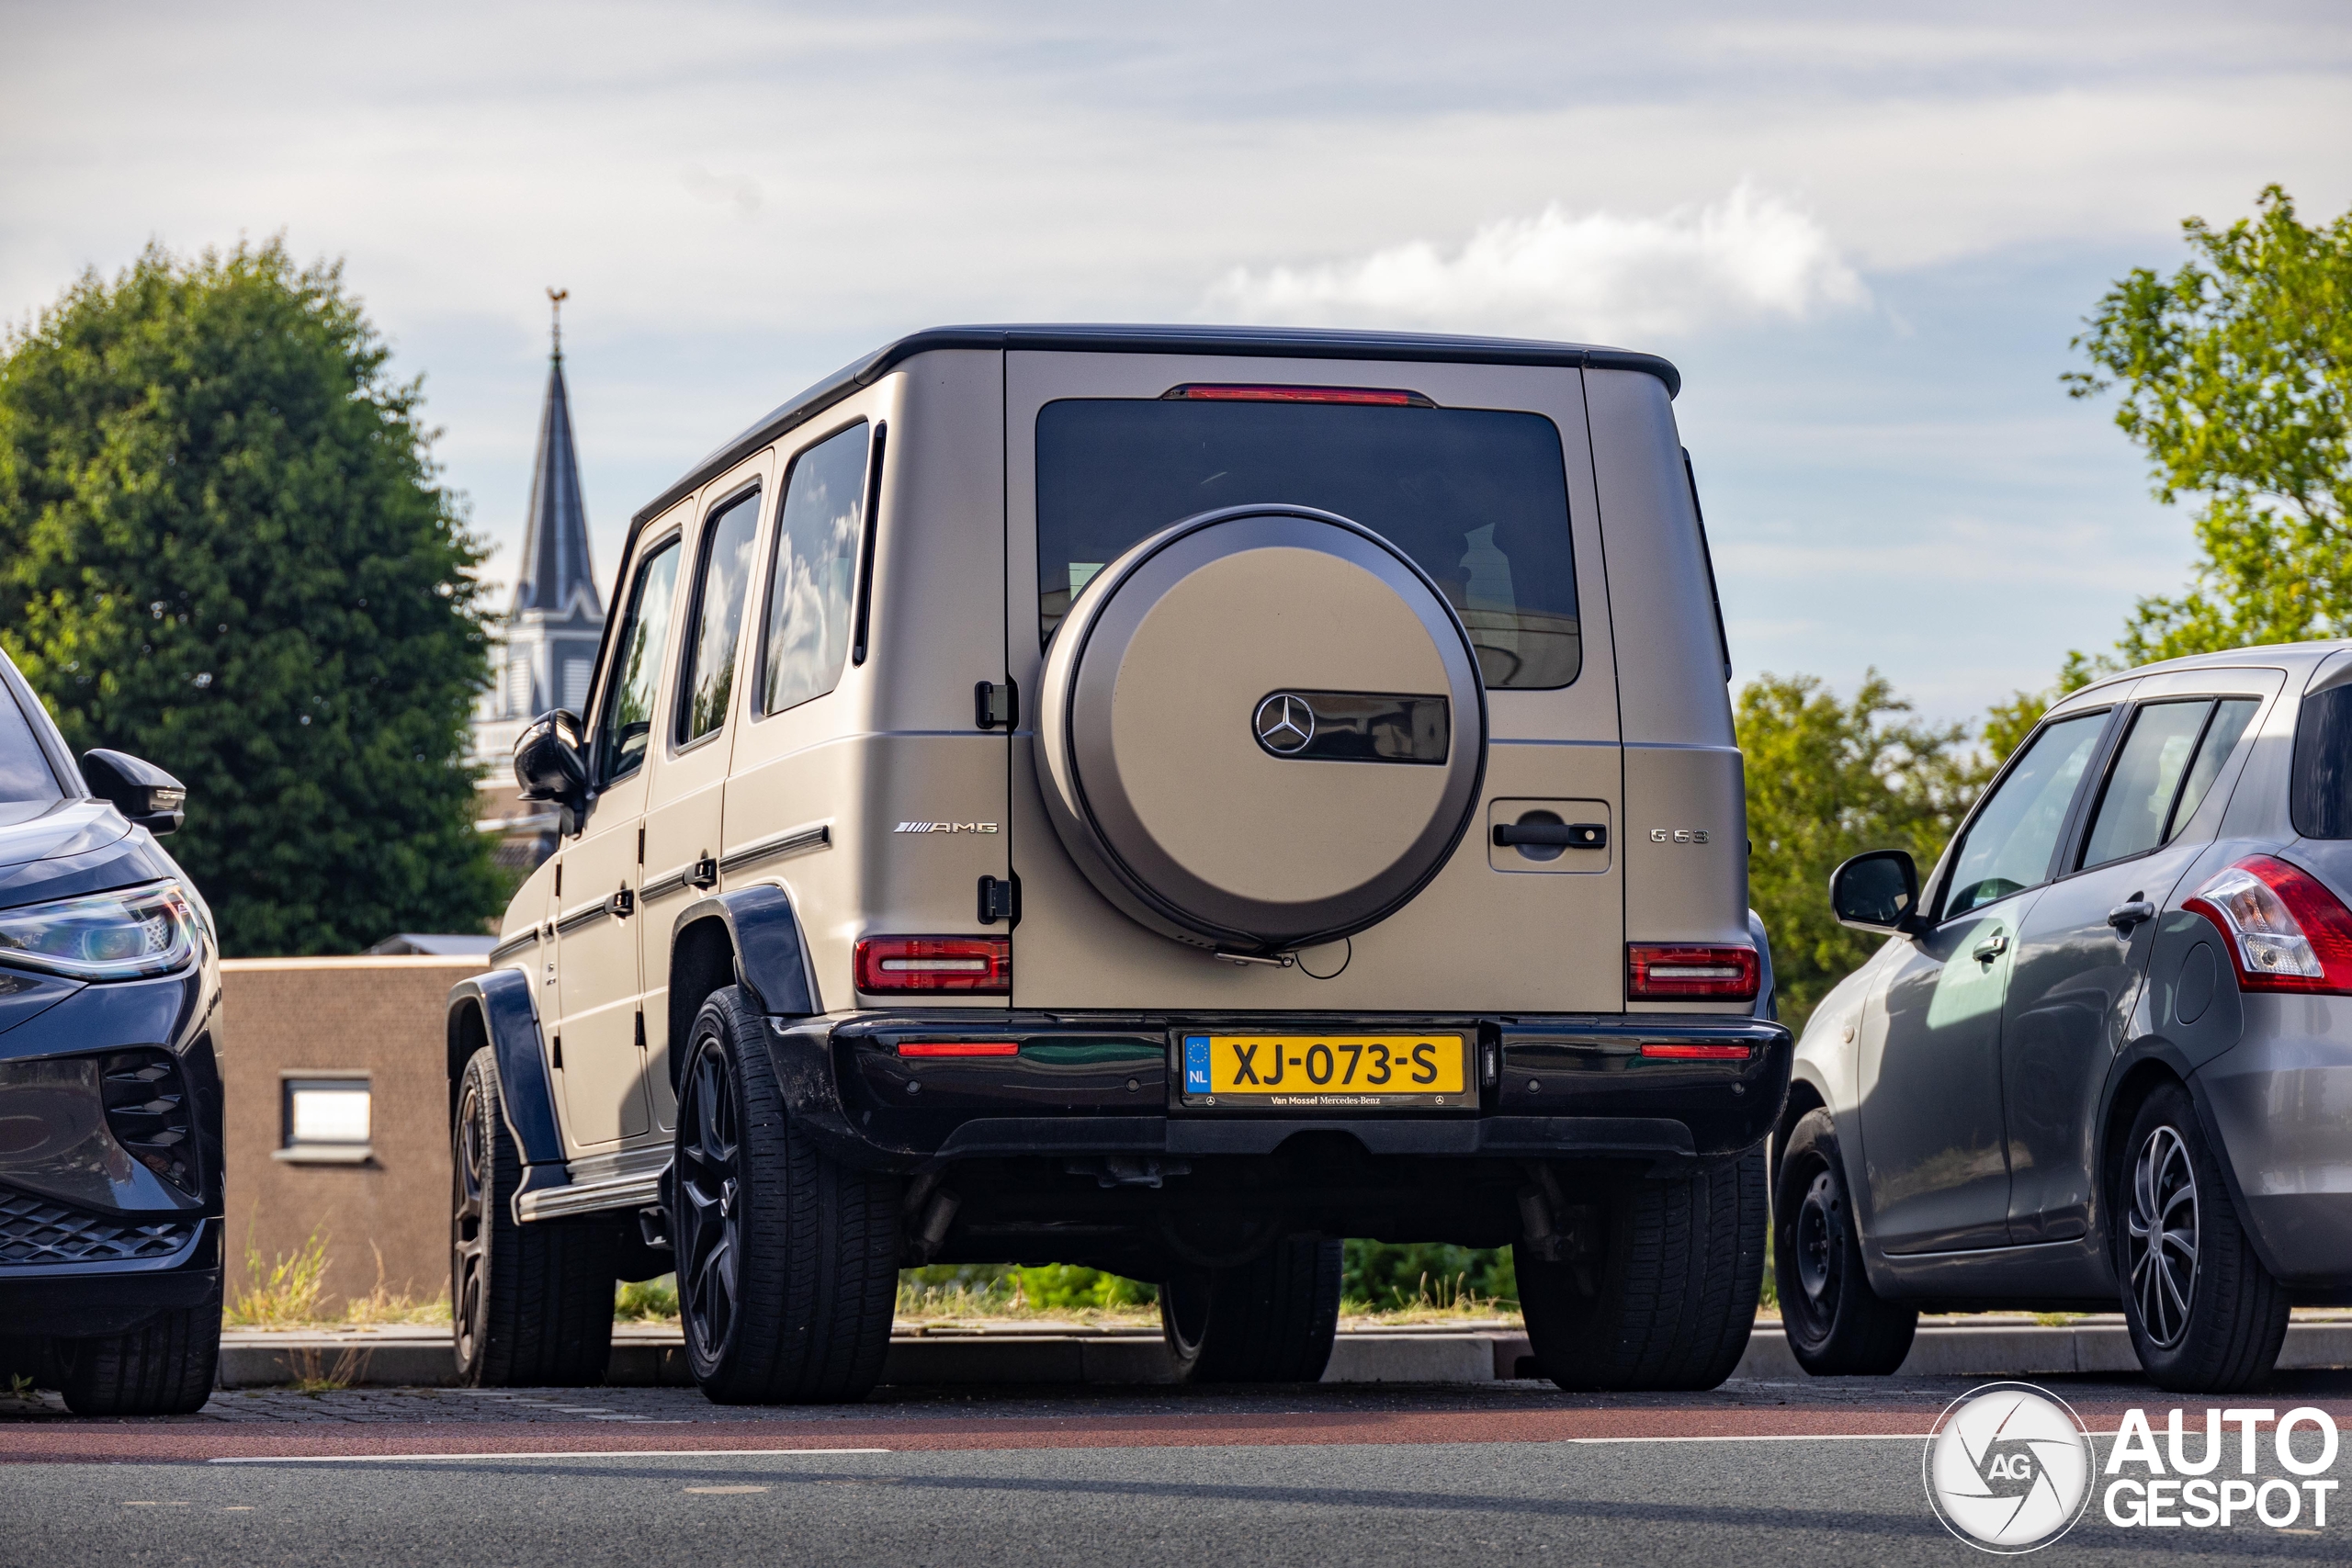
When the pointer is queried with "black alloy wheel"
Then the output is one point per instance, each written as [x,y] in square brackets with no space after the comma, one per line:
[470,1176]
[532,1304]
[710,1238]
[2160,1235]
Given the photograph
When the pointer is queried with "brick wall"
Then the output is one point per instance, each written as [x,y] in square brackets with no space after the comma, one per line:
[336,1017]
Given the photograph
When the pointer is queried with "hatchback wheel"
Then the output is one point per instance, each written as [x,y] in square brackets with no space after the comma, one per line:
[2206,1318]
[1837,1326]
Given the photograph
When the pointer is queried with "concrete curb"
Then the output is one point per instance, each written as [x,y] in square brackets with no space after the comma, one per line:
[644,1358]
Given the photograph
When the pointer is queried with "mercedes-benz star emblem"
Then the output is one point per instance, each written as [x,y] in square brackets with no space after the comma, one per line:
[1285,724]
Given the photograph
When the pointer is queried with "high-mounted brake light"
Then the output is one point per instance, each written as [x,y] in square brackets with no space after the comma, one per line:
[935,964]
[1721,971]
[959,1048]
[1691,1050]
[1372,396]
[2284,929]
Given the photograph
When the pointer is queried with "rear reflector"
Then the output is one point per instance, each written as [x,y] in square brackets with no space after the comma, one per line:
[1375,397]
[2284,929]
[959,1048]
[1685,1051]
[1667,971]
[935,964]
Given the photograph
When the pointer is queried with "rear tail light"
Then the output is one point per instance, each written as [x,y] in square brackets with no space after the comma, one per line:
[2285,932]
[1721,971]
[1375,397]
[935,964]
[1691,1050]
[959,1048]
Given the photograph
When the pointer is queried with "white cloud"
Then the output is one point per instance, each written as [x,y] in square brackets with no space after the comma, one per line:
[1589,275]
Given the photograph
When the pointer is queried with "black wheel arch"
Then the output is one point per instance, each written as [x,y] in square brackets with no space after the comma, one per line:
[749,937]
[497,1009]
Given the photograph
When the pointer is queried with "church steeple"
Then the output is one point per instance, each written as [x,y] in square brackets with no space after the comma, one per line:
[556,569]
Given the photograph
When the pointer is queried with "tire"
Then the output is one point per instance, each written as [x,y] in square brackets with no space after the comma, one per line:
[2221,1332]
[1837,1326]
[532,1304]
[1270,1320]
[787,1259]
[1663,1293]
[164,1367]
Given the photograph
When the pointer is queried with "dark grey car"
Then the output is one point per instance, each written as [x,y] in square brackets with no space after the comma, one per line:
[2107,1052]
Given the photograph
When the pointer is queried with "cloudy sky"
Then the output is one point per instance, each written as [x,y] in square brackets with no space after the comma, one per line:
[1866,232]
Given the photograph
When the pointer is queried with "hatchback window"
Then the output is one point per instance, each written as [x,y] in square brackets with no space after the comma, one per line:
[2319,800]
[2010,845]
[25,775]
[811,582]
[637,663]
[1477,497]
[706,679]
[2230,715]
[2147,775]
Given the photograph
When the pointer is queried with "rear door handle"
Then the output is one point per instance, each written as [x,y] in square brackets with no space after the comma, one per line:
[2123,916]
[1566,835]
[1991,947]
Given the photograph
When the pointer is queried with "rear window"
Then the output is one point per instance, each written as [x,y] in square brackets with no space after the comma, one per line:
[1477,497]
[25,778]
[2319,801]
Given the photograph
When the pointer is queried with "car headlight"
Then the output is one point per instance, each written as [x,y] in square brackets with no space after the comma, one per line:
[103,936]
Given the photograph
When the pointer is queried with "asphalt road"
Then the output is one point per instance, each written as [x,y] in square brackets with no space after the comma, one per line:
[1824,1473]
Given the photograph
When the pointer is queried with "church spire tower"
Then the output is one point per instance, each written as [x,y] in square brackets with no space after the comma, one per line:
[556,567]
[547,641]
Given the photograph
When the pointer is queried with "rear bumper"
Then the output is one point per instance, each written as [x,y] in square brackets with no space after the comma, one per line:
[2281,1100]
[1562,1087]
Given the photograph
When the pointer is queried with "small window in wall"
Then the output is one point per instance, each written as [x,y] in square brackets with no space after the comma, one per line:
[326,1120]
[575,683]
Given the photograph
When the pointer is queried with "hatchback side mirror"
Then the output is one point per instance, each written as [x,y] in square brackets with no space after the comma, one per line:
[1877,892]
[142,792]
[549,762]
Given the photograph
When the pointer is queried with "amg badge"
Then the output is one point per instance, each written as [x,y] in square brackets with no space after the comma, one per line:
[945,828]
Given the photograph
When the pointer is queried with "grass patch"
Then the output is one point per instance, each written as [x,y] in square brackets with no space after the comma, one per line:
[282,1293]
[647,1301]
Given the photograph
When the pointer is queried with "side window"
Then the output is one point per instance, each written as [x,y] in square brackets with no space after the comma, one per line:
[2318,799]
[2147,774]
[707,676]
[2009,847]
[2230,715]
[812,580]
[637,666]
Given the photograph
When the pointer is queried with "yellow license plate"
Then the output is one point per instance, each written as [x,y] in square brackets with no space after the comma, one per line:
[1326,1069]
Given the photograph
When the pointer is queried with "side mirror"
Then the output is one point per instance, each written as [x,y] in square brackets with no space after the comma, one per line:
[1877,892]
[549,762]
[142,792]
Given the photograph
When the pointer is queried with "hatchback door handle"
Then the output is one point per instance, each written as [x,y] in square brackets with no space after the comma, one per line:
[1991,947]
[2123,916]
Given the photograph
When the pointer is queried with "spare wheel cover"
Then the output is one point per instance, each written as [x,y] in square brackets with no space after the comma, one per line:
[1304,625]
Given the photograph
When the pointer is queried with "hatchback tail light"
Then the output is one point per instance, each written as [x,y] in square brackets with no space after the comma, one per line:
[935,964]
[1715,972]
[2284,929]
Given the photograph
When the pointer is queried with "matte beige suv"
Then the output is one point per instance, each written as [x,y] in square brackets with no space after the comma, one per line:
[1158,799]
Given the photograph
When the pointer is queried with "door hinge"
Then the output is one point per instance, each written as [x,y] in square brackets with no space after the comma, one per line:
[994,706]
[1000,900]
[641,1029]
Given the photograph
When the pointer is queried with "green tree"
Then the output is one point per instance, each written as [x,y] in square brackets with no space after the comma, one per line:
[1828,780]
[222,548]
[2236,375]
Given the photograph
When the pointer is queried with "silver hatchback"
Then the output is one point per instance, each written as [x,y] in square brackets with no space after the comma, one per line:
[2107,1052]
